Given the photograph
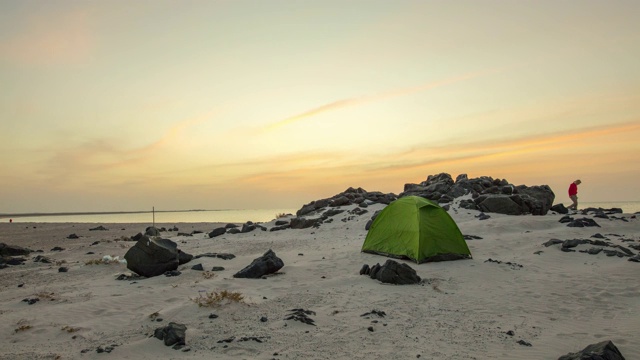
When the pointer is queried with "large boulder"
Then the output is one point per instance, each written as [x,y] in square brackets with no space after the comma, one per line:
[393,272]
[499,204]
[152,231]
[13,250]
[538,199]
[153,257]
[172,334]
[268,263]
[560,209]
[604,350]
[217,232]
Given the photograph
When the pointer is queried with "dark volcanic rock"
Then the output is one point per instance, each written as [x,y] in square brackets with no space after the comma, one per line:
[350,196]
[393,272]
[565,219]
[12,250]
[552,242]
[584,222]
[573,243]
[152,231]
[217,232]
[496,194]
[365,270]
[172,334]
[99,228]
[604,350]
[560,209]
[153,257]
[13,260]
[268,263]
[248,227]
[302,223]
[73,236]
[500,205]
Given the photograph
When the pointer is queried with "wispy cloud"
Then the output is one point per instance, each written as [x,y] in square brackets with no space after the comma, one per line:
[355,101]
[509,155]
[96,158]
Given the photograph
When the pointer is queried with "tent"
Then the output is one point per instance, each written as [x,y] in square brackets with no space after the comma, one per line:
[418,229]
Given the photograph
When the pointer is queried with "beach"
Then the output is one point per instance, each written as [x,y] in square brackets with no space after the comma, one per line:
[530,301]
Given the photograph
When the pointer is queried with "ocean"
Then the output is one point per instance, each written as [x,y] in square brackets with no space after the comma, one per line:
[628,207]
[223,216]
[161,217]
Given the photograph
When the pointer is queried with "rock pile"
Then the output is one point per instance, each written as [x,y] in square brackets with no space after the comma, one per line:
[350,196]
[488,194]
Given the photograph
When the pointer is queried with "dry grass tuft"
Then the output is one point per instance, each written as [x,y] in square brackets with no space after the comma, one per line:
[60,262]
[70,329]
[45,295]
[281,215]
[102,261]
[22,326]
[208,274]
[215,298]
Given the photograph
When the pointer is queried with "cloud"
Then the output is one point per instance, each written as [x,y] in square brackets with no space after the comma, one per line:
[109,160]
[340,104]
[551,153]
[52,39]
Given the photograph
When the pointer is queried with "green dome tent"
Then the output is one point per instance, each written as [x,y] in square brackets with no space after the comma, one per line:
[416,228]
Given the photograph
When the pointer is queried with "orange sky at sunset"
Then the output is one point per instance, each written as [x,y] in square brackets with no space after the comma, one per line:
[116,105]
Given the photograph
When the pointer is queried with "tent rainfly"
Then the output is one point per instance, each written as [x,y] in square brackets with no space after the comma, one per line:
[418,229]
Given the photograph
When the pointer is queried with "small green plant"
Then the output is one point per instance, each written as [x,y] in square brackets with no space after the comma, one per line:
[215,298]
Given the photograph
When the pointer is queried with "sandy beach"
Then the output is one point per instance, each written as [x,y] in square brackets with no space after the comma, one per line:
[530,302]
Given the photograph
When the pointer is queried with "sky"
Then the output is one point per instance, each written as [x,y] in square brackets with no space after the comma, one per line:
[119,105]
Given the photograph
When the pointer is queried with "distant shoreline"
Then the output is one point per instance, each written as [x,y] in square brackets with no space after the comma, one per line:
[96,213]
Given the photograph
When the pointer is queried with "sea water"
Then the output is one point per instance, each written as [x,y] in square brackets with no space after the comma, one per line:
[164,217]
[628,207]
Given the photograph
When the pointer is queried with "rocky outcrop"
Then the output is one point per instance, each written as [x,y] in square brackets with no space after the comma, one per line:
[488,194]
[350,196]
[153,257]
[268,263]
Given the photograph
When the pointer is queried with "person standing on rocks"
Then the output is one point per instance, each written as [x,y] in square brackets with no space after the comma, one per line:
[573,195]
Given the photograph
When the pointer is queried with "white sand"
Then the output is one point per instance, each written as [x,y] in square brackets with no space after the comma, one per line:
[559,302]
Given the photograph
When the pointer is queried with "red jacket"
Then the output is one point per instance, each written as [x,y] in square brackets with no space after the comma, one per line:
[573,189]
